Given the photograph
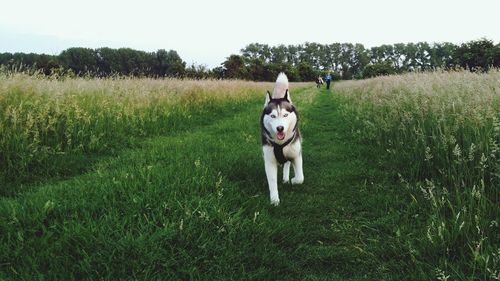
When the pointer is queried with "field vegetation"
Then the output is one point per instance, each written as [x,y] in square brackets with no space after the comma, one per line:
[45,122]
[441,136]
[155,179]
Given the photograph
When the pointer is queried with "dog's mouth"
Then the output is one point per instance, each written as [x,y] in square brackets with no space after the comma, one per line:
[280,135]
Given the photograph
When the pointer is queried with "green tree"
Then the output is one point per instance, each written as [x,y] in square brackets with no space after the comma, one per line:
[359,60]
[475,55]
[197,71]
[292,54]
[109,62]
[257,50]
[423,55]
[169,64]
[79,60]
[278,54]
[234,67]
[442,55]
[332,58]
[256,69]
[494,55]
[378,69]
[307,72]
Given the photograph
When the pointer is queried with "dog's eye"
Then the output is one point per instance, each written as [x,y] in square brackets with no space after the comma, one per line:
[286,114]
[273,116]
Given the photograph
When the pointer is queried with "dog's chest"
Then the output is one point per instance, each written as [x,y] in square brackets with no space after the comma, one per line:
[292,150]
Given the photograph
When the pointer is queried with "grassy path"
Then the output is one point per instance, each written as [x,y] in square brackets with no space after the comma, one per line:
[196,205]
[347,212]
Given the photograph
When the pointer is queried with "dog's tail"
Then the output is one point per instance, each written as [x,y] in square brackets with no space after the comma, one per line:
[281,86]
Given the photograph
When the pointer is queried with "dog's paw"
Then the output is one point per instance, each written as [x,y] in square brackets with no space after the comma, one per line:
[286,180]
[275,201]
[297,180]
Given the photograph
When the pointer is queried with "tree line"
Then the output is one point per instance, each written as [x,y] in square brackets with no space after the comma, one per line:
[261,62]
[100,62]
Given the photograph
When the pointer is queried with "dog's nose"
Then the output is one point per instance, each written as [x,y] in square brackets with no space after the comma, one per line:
[280,128]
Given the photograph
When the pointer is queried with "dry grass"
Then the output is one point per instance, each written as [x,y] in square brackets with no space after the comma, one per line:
[43,118]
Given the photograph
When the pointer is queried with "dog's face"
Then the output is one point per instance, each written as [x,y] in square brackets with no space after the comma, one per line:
[279,118]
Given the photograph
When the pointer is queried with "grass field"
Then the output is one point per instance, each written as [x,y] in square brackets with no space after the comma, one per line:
[164,180]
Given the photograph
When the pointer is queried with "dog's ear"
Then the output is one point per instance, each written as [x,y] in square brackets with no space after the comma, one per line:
[286,96]
[268,97]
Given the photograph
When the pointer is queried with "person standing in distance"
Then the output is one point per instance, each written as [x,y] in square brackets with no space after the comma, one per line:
[328,80]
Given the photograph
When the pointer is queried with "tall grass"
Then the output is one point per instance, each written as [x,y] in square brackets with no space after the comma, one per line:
[441,134]
[45,120]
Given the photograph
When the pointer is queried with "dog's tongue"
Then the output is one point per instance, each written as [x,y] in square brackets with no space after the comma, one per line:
[280,135]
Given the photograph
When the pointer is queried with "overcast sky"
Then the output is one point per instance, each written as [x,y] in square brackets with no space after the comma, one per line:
[206,32]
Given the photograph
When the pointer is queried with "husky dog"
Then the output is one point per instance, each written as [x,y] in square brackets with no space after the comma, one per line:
[281,141]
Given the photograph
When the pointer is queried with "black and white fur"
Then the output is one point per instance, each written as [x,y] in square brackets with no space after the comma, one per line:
[281,141]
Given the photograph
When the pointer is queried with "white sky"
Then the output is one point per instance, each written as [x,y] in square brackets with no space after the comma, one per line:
[206,32]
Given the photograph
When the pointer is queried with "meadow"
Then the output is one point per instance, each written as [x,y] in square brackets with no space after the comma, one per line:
[45,122]
[128,178]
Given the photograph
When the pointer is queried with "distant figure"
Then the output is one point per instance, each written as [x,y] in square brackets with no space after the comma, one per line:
[328,79]
[319,82]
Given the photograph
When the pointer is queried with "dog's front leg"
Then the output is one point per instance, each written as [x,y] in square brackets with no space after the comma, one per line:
[297,168]
[272,174]
[286,172]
